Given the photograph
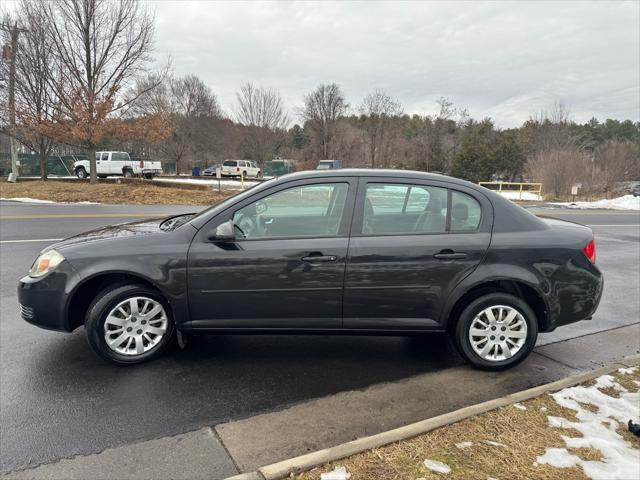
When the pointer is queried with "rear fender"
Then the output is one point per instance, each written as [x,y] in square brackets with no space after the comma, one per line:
[491,276]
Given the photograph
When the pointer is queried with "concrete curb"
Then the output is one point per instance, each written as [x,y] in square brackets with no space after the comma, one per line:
[308,461]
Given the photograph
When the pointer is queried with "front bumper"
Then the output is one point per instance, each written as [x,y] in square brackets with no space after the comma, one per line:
[43,301]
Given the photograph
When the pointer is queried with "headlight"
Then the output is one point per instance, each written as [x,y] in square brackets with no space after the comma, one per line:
[45,263]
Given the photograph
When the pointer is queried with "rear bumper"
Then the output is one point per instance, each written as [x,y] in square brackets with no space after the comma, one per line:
[577,294]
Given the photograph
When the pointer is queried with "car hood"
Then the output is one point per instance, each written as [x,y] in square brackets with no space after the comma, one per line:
[121,230]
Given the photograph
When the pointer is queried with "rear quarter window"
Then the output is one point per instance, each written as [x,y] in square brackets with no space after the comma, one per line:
[118,156]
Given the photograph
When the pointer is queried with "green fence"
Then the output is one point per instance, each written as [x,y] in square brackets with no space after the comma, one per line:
[57,165]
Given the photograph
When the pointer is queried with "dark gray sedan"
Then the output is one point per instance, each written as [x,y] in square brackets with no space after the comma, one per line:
[346,251]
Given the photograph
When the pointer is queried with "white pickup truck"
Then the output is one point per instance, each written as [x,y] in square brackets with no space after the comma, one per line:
[117,163]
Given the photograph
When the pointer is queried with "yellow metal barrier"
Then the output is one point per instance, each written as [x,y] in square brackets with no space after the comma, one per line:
[514,190]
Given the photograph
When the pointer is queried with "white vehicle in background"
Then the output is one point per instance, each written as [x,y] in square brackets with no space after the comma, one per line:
[117,163]
[236,168]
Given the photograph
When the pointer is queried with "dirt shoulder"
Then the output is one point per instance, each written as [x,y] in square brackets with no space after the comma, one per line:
[131,192]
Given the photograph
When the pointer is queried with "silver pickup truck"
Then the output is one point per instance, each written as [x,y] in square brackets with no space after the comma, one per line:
[118,163]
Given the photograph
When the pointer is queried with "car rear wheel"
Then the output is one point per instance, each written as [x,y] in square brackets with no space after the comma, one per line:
[129,324]
[81,172]
[127,173]
[496,331]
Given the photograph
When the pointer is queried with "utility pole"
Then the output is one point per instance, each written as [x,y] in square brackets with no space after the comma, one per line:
[10,55]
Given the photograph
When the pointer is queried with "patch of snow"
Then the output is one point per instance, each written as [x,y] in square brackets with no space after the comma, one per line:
[627,371]
[519,406]
[626,202]
[543,409]
[517,195]
[338,473]
[463,445]
[494,444]
[236,184]
[607,381]
[36,200]
[436,466]
[598,429]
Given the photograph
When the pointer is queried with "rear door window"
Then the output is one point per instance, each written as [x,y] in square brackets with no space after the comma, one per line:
[465,212]
[396,209]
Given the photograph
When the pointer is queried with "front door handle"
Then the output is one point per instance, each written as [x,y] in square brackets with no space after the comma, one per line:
[316,258]
[448,254]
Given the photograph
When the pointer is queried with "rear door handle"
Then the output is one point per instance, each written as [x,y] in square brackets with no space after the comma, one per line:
[319,258]
[450,255]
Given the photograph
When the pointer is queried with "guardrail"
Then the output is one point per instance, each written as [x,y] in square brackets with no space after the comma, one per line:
[516,190]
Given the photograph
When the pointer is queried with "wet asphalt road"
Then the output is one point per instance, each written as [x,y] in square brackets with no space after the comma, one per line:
[58,400]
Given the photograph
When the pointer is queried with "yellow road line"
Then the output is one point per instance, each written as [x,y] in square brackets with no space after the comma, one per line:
[80,215]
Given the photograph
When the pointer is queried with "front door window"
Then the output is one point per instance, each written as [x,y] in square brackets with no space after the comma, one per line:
[303,211]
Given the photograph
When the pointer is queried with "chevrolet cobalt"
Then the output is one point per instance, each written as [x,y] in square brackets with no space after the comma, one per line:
[355,252]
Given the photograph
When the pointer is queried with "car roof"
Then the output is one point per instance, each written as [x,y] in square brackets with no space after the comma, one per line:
[376,172]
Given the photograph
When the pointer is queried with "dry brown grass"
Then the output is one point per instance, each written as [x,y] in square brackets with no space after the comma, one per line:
[526,435]
[141,193]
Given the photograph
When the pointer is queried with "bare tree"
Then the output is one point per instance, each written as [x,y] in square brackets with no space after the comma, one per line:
[263,112]
[616,161]
[100,47]
[378,110]
[191,97]
[35,101]
[559,169]
[322,109]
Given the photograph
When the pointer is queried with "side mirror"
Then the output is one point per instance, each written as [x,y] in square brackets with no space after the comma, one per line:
[223,232]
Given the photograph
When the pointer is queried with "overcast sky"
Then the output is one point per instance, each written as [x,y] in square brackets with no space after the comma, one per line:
[499,59]
[506,60]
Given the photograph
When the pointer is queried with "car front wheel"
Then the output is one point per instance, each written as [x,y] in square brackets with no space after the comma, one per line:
[129,324]
[81,172]
[496,331]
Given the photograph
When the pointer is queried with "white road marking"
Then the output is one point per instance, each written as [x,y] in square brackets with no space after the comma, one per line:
[31,240]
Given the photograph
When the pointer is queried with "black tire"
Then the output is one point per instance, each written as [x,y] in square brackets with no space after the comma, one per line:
[148,176]
[102,305]
[127,173]
[81,173]
[102,176]
[461,332]
[244,175]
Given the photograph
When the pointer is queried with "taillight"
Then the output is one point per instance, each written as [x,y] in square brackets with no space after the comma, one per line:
[237,169]
[590,251]
[141,163]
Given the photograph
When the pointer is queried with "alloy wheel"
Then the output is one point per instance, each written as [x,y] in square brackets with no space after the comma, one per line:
[498,332]
[135,326]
